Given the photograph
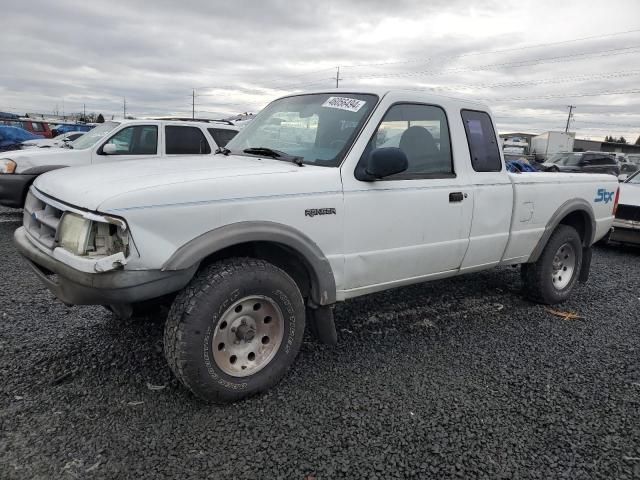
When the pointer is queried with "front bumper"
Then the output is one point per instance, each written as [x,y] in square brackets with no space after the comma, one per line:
[625,231]
[116,287]
[13,189]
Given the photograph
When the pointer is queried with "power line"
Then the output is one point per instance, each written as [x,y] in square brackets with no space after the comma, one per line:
[543,81]
[428,59]
[505,50]
[573,95]
[516,64]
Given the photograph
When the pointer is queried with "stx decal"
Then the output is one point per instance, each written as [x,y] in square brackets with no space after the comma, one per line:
[603,196]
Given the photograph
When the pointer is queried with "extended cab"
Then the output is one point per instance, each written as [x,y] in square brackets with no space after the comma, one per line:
[321,198]
[111,142]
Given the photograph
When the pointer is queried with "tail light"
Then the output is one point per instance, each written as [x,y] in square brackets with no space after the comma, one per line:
[615,201]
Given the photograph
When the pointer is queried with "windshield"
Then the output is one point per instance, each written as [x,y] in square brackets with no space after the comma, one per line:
[635,178]
[318,128]
[90,138]
[566,158]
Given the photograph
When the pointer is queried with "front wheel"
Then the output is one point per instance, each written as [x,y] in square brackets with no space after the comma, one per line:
[235,329]
[552,278]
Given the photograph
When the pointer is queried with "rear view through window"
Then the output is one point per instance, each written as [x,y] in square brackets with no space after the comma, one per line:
[483,146]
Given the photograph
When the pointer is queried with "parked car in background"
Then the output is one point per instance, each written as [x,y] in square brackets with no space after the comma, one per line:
[34,126]
[11,138]
[110,142]
[71,127]
[626,226]
[582,162]
[630,164]
[58,141]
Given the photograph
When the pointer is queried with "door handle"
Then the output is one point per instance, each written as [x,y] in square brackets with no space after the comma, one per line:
[456,197]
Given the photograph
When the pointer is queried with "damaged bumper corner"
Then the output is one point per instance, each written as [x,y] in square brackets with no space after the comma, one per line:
[94,287]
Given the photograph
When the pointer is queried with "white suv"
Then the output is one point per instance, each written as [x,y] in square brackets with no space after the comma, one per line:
[109,142]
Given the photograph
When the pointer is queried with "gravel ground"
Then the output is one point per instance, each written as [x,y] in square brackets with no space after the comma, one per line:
[456,379]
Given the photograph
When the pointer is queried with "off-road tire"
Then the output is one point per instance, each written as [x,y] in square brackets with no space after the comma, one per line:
[537,277]
[197,310]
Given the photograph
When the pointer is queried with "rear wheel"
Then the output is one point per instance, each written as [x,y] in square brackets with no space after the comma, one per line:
[235,329]
[552,278]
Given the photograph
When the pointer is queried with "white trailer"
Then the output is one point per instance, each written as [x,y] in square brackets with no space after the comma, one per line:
[550,143]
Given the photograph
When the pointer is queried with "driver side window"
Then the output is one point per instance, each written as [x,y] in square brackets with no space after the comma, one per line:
[422,133]
[136,140]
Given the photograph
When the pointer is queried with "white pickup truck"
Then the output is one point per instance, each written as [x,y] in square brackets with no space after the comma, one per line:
[111,142]
[322,198]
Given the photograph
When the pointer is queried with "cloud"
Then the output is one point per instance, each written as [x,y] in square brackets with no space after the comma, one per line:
[239,55]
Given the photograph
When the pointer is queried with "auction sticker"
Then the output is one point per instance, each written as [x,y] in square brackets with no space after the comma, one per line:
[344,103]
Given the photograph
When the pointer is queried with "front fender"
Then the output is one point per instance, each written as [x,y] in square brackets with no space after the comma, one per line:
[323,286]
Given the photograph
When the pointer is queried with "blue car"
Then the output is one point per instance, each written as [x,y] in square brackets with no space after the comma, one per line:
[66,127]
[12,137]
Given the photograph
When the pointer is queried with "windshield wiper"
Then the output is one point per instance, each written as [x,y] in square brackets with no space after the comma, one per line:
[270,152]
[223,150]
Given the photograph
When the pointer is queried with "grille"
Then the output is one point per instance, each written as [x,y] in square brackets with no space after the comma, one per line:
[628,212]
[41,220]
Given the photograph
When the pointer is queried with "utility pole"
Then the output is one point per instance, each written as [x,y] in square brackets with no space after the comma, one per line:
[338,76]
[84,112]
[124,107]
[571,107]
[193,103]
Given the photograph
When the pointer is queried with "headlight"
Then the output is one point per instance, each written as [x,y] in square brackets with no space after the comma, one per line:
[7,166]
[82,236]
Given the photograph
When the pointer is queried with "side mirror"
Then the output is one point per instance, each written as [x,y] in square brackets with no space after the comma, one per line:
[623,177]
[109,149]
[383,162]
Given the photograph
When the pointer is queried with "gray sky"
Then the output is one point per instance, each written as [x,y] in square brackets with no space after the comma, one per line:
[241,54]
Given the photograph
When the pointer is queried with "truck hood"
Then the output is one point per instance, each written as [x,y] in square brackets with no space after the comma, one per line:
[630,194]
[35,157]
[91,186]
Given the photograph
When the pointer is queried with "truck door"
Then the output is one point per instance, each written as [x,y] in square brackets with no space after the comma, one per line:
[132,142]
[492,193]
[410,225]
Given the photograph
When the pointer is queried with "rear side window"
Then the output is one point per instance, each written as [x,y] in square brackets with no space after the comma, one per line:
[481,137]
[37,127]
[185,141]
[222,135]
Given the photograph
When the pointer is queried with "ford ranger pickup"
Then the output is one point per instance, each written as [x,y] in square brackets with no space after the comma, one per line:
[323,197]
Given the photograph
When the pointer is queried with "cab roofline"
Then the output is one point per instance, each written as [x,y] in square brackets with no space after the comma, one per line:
[381,92]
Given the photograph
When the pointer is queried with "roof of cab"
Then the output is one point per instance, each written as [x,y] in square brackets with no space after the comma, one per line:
[412,94]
